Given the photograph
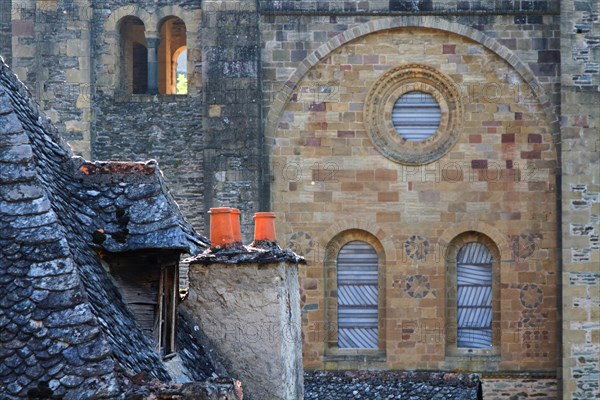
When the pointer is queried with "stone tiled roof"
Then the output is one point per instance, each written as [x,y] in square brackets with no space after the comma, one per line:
[62,320]
[262,252]
[413,385]
[127,207]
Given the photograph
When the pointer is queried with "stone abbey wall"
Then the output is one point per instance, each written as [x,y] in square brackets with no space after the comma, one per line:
[497,180]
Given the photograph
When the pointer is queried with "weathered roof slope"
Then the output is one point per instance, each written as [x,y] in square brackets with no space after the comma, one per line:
[130,203]
[61,318]
[48,330]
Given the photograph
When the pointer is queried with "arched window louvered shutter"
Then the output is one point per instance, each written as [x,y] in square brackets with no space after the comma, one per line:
[416,116]
[474,296]
[357,296]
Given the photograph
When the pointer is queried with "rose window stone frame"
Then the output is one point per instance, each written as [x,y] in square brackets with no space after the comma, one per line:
[379,105]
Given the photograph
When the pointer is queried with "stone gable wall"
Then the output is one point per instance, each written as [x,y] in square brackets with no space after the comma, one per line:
[498,179]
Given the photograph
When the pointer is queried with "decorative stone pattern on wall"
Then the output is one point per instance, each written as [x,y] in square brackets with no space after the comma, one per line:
[500,172]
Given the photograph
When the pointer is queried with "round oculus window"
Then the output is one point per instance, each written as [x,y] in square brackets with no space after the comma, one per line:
[416,116]
[413,114]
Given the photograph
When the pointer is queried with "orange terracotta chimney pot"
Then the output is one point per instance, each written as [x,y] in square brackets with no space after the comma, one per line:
[221,234]
[235,226]
[264,226]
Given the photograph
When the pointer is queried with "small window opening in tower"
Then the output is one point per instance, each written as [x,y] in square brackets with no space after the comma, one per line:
[133,68]
[181,71]
[172,57]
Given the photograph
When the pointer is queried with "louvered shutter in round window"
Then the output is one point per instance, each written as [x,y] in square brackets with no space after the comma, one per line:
[416,116]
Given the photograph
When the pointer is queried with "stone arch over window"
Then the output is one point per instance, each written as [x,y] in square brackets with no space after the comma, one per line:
[173,41]
[472,295]
[133,56]
[355,294]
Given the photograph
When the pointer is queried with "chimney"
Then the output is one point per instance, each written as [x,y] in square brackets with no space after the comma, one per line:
[265,351]
[221,233]
[264,227]
[235,226]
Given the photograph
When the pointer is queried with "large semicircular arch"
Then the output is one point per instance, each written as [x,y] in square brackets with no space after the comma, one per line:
[431,22]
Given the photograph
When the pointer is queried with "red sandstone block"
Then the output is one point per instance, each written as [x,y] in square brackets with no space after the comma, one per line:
[530,155]
[352,186]
[317,107]
[387,196]
[534,138]
[345,134]
[449,49]
[508,138]
[474,138]
[386,175]
[364,175]
[478,164]
[345,67]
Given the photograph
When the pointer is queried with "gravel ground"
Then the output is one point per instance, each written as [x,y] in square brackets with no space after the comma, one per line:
[376,385]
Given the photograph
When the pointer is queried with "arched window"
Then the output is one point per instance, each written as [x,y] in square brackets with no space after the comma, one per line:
[133,66]
[474,297]
[357,296]
[181,70]
[172,56]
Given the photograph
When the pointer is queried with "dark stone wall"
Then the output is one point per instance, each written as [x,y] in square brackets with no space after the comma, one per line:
[580,151]
[5,30]
[233,156]
[409,6]
[167,128]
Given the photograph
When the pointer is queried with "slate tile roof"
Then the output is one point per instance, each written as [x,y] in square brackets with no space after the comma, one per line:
[413,385]
[62,320]
[262,252]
